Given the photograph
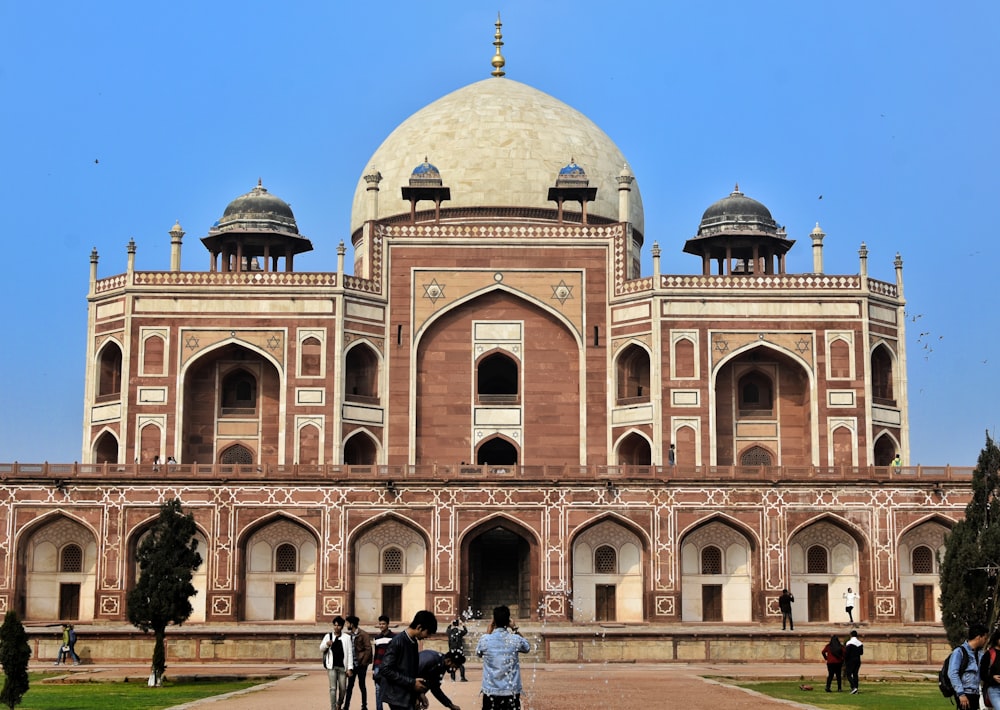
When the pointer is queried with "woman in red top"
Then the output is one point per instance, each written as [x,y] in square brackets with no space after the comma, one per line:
[833,654]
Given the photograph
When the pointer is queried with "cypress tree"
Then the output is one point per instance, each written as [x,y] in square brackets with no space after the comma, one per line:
[167,559]
[970,568]
[14,655]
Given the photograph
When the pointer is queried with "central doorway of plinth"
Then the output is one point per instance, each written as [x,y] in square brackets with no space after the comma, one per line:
[499,573]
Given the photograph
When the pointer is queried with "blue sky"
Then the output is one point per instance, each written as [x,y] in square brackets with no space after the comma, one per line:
[120,118]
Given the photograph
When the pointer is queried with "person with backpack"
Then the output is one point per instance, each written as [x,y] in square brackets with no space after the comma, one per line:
[72,646]
[833,654]
[963,667]
[989,671]
[853,650]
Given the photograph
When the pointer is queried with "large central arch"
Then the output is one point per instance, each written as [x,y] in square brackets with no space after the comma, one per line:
[232,398]
[764,409]
[498,558]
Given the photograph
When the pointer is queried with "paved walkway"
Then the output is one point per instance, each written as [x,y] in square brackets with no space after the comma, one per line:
[560,686]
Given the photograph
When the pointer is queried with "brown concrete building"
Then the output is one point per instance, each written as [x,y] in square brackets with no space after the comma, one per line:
[496,406]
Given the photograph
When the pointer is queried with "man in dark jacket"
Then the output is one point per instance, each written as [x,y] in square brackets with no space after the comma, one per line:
[785,605]
[398,672]
[456,642]
[362,659]
[433,666]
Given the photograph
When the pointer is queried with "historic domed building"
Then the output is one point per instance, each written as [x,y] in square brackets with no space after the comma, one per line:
[495,405]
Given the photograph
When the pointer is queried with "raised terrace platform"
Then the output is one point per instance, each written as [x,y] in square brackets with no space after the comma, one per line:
[550,643]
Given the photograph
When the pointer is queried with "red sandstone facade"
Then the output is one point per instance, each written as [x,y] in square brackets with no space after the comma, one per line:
[484,413]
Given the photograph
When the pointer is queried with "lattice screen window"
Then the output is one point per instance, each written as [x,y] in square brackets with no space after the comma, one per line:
[923,560]
[286,558]
[392,561]
[71,559]
[711,560]
[817,561]
[755,456]
[237,454]
[605,560]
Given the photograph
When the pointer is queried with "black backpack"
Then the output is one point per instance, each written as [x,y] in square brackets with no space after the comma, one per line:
[944,681]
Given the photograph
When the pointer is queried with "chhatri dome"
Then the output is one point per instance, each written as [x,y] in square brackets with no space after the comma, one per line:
[497,143]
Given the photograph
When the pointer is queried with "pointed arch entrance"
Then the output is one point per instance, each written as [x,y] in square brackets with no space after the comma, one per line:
[57,571]
[232,403]
[764,403]
[498,559]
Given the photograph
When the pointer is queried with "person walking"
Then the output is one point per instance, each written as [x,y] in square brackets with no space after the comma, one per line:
[397,674]
[338,659]
[853,651]
[499,648]
[362,643]
[963,667]
[71,644]
[379,643]
[833,654]
[456,642]
[850,601]
[63,645]
[785,605]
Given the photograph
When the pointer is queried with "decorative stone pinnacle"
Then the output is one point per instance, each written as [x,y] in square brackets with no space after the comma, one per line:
[498,60]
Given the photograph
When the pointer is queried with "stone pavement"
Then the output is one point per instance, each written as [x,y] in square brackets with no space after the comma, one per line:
[552,686]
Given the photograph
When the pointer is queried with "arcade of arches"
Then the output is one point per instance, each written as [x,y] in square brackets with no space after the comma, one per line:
[280,571]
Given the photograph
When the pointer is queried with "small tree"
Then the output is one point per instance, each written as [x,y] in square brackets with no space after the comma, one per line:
[14,655]
[167,559]
[970,568]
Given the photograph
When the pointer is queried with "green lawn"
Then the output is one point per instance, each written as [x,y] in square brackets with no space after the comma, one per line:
[884,695]
[134,695]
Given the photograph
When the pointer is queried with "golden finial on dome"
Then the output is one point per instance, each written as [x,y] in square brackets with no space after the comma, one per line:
[498,60]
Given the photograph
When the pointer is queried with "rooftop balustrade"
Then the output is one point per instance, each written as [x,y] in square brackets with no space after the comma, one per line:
[58,474]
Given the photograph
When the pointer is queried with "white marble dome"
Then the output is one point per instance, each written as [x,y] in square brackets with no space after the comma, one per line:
[497,143]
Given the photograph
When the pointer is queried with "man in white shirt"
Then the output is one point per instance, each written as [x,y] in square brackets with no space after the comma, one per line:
[851,599]
[338,659]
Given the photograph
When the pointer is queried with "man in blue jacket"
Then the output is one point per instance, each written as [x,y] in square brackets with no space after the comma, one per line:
[398,671]
[499,648]
[966,682]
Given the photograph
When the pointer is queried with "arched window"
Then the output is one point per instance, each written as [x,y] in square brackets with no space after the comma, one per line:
[71,559]
[497,380]
[633,375]
[239,393]
[711,560]
[109,372]
[605,560]
[286,558]
[106,449]
[756,456]
[392,561]
[361,375]
[237,455]
[360,450]
[882,376]
[817,560]
[684,363]
[923,560]
[496,452]
[310,362]
[152,355]
[634,450]
[885,450]
[756,394]
[840,359]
